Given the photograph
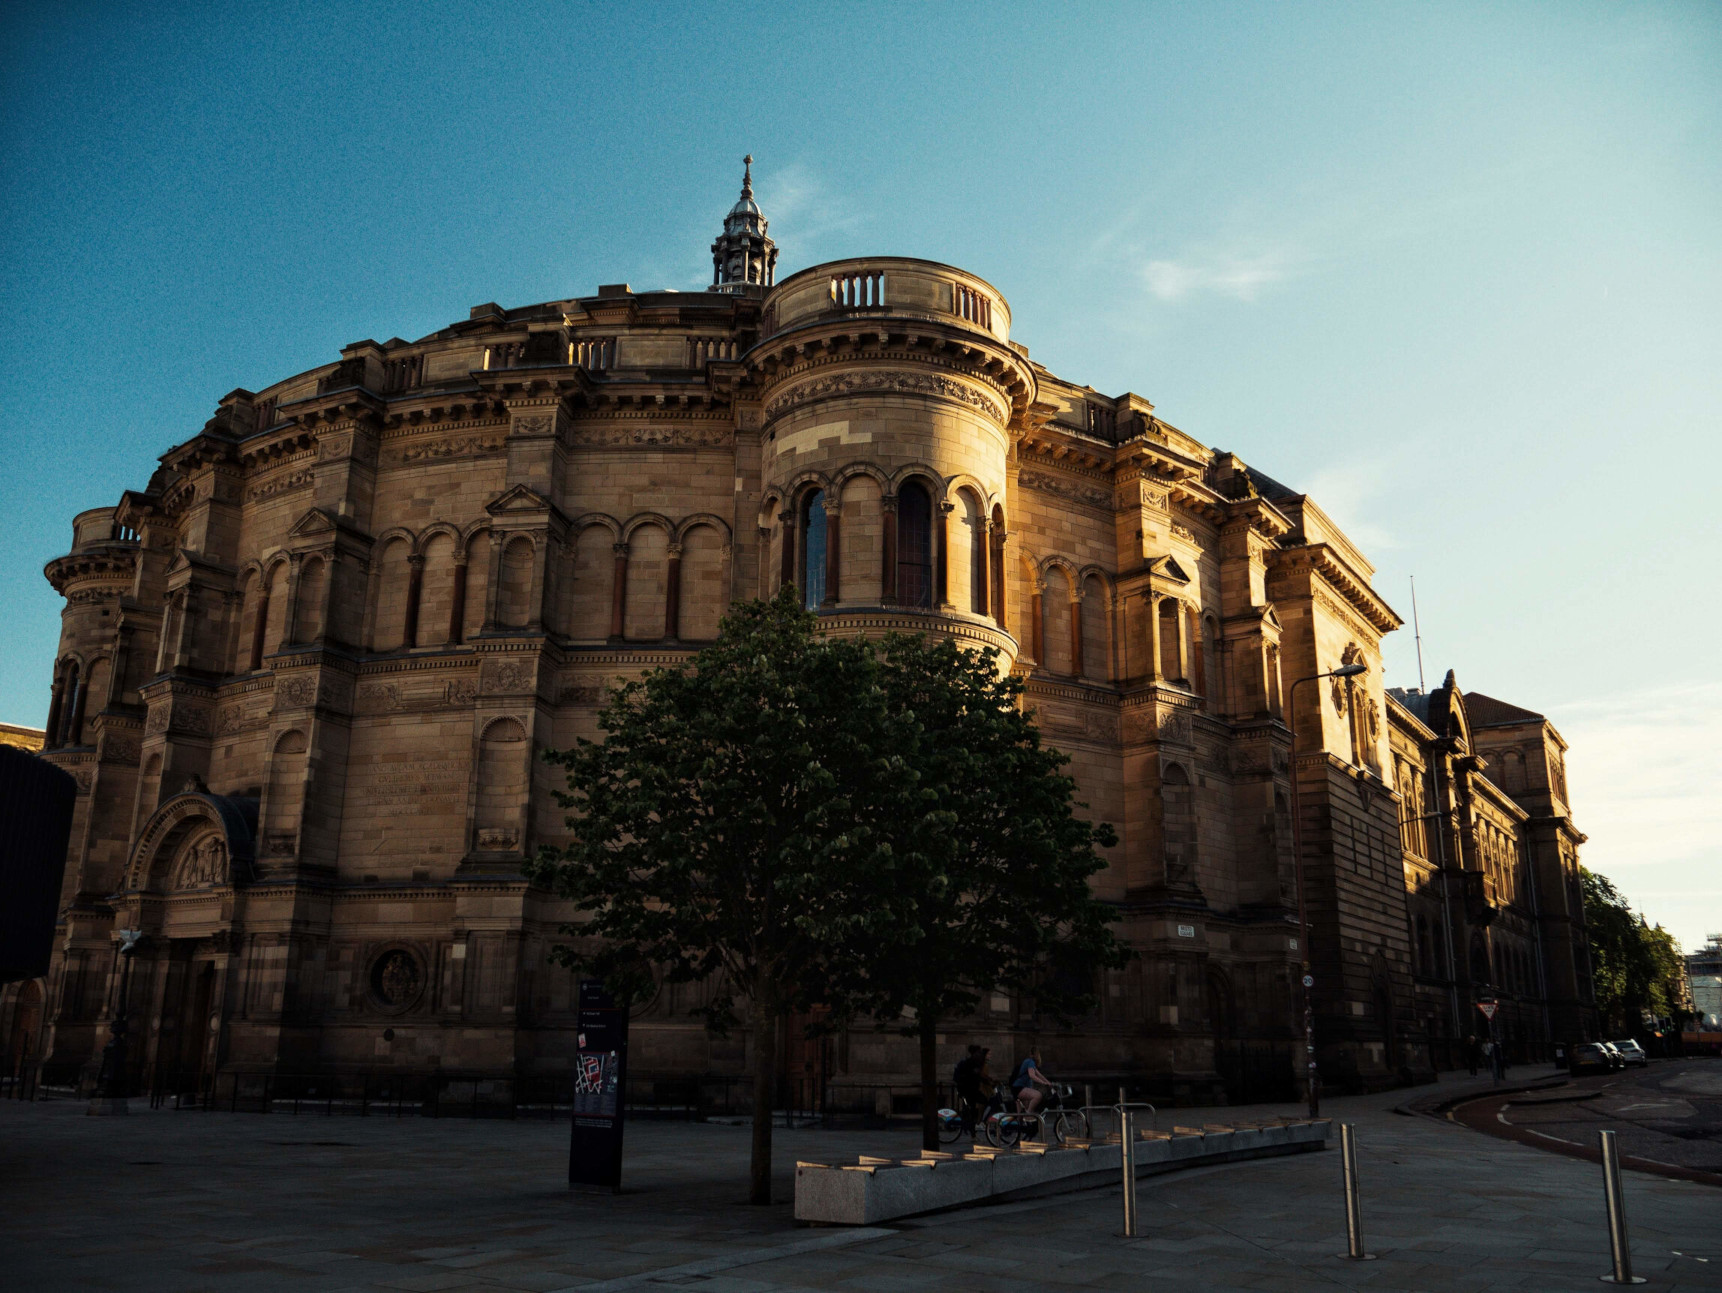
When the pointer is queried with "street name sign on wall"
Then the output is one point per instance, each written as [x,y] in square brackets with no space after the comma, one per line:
[600,1084]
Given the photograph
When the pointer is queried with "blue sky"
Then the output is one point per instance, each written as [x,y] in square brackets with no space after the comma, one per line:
[1455,270]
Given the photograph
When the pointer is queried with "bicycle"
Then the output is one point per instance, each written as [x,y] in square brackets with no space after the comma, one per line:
[1058,1119]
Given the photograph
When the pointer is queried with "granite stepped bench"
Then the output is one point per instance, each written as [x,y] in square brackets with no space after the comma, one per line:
[879,1189]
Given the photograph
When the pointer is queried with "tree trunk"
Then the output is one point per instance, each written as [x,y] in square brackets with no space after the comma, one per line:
[929,1082]
[764,1088]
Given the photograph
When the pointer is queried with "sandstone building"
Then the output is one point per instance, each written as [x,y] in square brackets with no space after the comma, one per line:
[305,672]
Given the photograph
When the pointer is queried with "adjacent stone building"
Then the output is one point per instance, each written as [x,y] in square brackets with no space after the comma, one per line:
[305,673]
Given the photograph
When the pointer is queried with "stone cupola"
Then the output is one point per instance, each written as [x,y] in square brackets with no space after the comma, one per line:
[743,254]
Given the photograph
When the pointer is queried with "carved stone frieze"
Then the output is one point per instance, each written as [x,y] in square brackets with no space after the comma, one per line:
[283,484]
[302,692]
[202,863]
[507,675]
[648,435]
[873,382]
[121,749]
[1047,483]
[448,447]
[581,693]
[241,718]
[399,696]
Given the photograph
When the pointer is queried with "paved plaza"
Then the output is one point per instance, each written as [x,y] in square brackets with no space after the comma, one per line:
[188,1202]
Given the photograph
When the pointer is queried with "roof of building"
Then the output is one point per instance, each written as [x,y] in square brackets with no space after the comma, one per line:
[1417,702]
[1486,711]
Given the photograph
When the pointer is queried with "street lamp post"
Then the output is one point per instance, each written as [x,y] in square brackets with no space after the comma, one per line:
[1307,981]
[112,1088]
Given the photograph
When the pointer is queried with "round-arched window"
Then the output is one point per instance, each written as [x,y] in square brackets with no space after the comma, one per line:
[914,546]
[813,558]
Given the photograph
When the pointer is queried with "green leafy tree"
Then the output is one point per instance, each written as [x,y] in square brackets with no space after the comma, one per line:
[1636,968]
[720,827]
[988,884]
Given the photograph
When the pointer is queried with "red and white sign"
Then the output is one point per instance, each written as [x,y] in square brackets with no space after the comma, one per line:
[1488,1008]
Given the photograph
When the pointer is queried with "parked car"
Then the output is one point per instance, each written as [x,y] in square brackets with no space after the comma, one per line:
[1632,1053]
[1590,1057]
[1615,1058]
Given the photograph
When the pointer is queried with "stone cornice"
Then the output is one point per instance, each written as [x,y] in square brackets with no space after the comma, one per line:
[109,562]
[1320,559]
[828,341]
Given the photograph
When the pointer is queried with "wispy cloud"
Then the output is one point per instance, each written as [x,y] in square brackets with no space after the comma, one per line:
[1645,774]
[1243,278]
[806,212]
[1354,491]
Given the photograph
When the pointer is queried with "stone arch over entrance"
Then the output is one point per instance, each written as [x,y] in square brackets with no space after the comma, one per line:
[195,841]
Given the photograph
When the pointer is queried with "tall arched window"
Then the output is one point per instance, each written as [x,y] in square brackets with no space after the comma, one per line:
[914,546]
[813,556]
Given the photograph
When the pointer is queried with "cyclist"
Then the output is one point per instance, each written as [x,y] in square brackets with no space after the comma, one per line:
[1027,1083]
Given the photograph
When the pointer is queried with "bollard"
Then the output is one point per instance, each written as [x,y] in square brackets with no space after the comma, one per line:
[1127,1151]
[1618,1246]
[1353,1206]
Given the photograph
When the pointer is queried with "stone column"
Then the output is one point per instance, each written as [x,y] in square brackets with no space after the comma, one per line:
[619,590]
[1198,657]
[673,594]
[1154,637]
[415,592]
[1076,630]
[457,612]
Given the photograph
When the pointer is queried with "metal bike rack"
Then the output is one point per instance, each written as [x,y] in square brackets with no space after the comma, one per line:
[1353,1205]
[1126,1111]
[1620,1249]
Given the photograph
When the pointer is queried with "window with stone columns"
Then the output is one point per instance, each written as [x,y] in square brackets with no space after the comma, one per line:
[313,585]
[813,554]
[914,545]
[436,597]
[514,596]
[1171,639]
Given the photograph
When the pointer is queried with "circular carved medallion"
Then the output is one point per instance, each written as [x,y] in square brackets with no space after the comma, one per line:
[396,979]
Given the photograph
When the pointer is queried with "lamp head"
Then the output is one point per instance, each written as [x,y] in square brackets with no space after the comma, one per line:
[1349,670]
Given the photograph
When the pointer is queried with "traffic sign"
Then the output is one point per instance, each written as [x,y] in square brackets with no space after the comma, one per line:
[1488,1008]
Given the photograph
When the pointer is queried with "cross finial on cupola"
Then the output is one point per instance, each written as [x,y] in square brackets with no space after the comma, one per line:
[747,176]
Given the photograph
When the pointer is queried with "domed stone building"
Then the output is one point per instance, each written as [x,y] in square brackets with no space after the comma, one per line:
[305,674]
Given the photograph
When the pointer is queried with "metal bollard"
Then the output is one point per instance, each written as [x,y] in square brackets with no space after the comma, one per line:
[1353,1206]
[1127,1152]
[1618,1246]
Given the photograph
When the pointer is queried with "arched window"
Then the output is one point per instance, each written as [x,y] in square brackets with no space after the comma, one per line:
[813,556]
[1171,640]
[281,811]
[313,586]
[914,546]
